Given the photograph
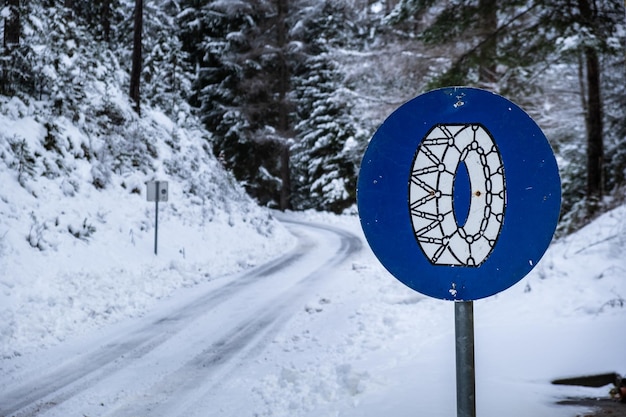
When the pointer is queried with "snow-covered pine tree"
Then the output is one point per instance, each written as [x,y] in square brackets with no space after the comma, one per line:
[615,122]
[237,89]
[97,16]
[329,140]
[253,56]
[24,161]
[326,152]
[166,74]
[64,59]
[191,33]
[532,41]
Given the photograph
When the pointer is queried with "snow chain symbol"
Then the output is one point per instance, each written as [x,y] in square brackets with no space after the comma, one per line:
[447,155]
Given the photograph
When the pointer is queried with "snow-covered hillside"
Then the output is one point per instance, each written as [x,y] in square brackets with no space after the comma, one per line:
[76,230]
[77,233]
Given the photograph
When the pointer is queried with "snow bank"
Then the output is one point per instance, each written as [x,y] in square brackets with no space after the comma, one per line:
[77,254]
[369,346]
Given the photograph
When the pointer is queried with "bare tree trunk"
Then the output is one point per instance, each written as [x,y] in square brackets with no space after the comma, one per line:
[488,10]
[595,146]
[285,191]
[135,76]
[283,86]
[12,24]
[593,119]
[106,20]
[10,41]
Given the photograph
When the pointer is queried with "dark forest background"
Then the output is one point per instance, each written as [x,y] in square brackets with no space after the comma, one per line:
[288,92]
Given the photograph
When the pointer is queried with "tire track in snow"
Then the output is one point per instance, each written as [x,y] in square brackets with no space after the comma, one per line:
[66,381]
[70,378]
[200,375]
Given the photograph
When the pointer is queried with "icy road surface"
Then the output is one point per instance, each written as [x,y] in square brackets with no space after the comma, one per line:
[178,360]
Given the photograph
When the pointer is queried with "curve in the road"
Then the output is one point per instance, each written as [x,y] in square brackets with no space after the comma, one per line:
[56,385]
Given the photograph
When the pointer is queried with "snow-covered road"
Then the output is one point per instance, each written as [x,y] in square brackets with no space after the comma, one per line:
[177,360]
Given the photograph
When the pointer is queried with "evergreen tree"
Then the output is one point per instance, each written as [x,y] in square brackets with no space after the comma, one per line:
[267,64]
[615,96]
[238,89]
[65,57]
[530,37]
[253,92]
[324,154]
[98,16]
[166,73]
[328,138]
[24,162]
[191,29]
[12,25]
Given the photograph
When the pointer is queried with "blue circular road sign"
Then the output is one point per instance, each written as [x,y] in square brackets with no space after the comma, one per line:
[459,193]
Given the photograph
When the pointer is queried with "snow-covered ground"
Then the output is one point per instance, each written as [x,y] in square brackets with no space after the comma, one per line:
[361,345]
[390,351]
[79,284]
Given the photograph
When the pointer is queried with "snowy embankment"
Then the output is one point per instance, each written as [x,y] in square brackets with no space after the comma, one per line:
[80,283]
[363,345]
[390,351]
[77,234]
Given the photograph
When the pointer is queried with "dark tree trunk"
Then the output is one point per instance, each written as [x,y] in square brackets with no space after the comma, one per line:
[593,118]
[10,41]
[283,116]
[12,25]
[135,75]
[488,51]
[595,146]
[285,168]
[106,20]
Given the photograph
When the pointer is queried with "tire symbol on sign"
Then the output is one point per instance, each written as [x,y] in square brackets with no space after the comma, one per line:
[457,194]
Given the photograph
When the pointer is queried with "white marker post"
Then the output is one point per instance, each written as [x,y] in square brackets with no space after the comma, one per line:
[156,191]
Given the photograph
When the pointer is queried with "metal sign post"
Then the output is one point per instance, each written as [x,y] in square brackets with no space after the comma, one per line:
[156,218]
[459,195]
[156,191]
[465,369]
